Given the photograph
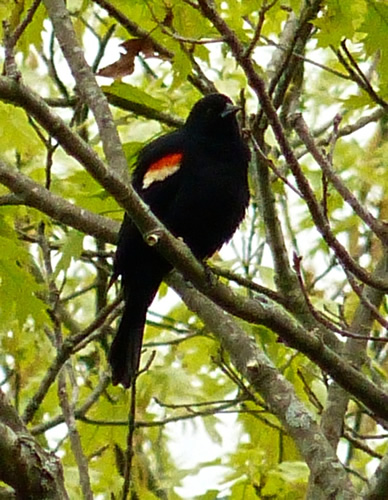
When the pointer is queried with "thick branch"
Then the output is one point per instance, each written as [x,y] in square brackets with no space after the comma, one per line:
[338,399]
[379,484]
[87,85]
[23,463]
[34,195]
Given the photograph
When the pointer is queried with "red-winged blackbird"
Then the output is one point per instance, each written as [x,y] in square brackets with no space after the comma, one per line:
[195,181]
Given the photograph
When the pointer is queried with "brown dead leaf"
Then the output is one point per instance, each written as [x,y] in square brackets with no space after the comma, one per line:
[126,64]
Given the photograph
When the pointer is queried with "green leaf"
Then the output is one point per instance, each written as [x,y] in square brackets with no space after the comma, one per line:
[209,495]
[339,21]
[131,150]
[181,68]
[244,490]
[16,134]
[133,94]
[81,188]
[358,101]
[19,291]
[375,26]
[33,32]
[286,474]
[71,249]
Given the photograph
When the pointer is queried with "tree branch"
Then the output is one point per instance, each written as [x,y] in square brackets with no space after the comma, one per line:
[34,195]
[87,86]
[23,463]
[379,228]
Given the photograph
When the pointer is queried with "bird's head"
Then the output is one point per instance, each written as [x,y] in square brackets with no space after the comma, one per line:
[212,115]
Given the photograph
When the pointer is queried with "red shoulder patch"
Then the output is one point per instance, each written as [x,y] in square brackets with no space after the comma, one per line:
[163,168]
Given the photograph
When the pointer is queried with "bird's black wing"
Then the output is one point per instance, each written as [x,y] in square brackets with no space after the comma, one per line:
[156,179]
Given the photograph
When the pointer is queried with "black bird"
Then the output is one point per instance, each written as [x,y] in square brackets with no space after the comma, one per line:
[195,181]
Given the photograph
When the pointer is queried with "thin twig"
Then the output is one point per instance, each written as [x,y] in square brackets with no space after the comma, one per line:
[328,323]
[19,30]
[358,76]
[128,481]
[259,26]
[249,284]
[379,228]
[78,412]
[75,440]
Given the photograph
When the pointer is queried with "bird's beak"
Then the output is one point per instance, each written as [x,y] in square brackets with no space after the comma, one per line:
[230,109]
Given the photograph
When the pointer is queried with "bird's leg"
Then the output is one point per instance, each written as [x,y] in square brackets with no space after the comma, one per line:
[211,277]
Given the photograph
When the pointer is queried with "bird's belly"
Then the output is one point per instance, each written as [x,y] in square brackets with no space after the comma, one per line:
[208,216]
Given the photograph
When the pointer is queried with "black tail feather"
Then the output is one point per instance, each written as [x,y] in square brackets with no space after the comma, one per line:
[124,354]
[125,351]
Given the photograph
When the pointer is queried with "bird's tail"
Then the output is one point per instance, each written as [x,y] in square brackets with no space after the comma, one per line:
[125,351]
